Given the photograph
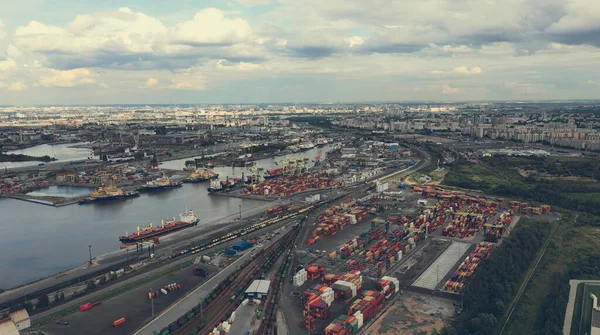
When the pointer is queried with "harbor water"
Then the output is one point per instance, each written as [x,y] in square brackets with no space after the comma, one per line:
[62,152]
[267,163]
[37,241]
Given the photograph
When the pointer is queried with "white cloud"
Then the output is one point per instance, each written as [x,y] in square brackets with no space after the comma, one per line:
[118,32]
[252,3]
[241,66]
[591,81]
[2,33]
[151,82]
[210,26]
[580,15]
[450,90]
[466,70]
[68,78]
[17,86]
[2,84]
[7,64]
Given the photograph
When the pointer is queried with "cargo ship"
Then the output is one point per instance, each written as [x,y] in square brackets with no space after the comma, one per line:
[162,183]
[200,175]
[219,186]
[186,220]
[110,192]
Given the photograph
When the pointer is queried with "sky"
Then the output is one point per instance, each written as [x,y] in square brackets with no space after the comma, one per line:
[253,51]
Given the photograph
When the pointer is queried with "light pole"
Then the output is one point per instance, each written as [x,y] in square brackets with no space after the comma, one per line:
[152,302]
[90,247]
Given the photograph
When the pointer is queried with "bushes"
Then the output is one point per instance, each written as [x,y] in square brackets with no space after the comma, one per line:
[498,176]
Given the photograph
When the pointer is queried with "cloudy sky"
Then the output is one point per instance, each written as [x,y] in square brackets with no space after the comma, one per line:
[205,51]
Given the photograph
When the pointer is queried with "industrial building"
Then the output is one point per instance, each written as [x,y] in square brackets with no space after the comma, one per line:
[258,289]
[15,322]
[595,329]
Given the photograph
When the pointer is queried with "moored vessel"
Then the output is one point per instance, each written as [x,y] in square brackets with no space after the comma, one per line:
[187,219]
[200,175]
[162,183]
[108,193]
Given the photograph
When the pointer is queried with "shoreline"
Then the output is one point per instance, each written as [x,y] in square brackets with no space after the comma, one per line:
[206,227]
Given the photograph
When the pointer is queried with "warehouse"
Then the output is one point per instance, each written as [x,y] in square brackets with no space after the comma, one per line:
[258,289]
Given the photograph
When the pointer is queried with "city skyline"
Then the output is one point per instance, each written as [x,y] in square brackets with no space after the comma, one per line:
[267,51]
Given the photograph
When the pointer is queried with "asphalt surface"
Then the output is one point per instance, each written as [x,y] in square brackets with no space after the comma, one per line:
[134,306]
[182,306]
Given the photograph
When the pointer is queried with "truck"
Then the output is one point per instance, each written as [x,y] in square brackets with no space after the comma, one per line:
[202,272]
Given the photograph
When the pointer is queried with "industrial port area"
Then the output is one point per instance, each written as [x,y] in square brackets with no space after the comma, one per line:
[328,224]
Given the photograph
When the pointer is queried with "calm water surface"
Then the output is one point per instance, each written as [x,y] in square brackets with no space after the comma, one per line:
[37,240]
[62,152]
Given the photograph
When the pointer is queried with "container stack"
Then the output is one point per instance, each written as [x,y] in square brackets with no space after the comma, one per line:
[289,185]
[314,272]
[494,234]
[468,267]
[336,218]
[309,323]
[317,308]
[300,278]
[348,285]
[318,290]
[342,325]
[369,305]
[388,286]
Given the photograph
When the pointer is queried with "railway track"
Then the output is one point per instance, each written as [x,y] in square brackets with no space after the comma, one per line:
[226,296]
[270,308]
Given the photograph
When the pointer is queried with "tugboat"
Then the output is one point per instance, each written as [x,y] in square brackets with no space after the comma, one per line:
[162,183]
[200,175]
[110,192]
[186,220]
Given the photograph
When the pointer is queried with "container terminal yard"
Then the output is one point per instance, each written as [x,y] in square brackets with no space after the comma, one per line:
[339,255]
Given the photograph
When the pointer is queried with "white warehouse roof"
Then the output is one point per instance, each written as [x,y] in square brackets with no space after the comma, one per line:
[259,287]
